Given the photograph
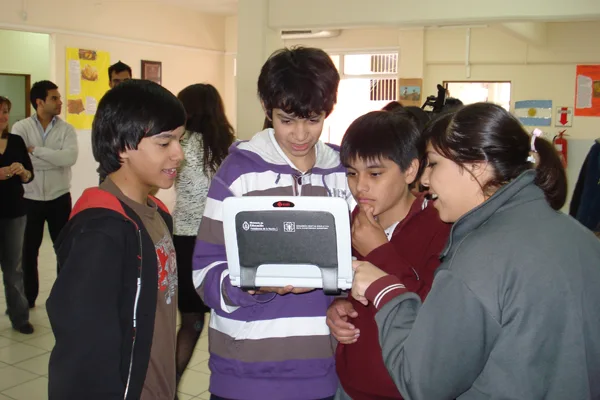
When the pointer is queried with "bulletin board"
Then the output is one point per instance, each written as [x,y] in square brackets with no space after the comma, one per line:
[587,91]
[87,82]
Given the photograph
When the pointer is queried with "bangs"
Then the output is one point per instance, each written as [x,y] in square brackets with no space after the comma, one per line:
[300,99]
[381,135]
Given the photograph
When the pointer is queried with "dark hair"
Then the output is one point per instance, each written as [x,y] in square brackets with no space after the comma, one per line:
[3,101]
[128,113]
[267,123]
[302,81]
[117,68]
[382,134]
[39,90]
[392,106]
[452,103]
[487,132]
[416,114]
[420,118]
[206,116]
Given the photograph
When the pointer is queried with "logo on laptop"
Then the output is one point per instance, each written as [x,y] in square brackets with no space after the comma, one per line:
[289,227]
[279,204]
[245,226]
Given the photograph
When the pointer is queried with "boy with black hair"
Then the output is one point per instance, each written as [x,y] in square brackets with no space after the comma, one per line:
[118,73]
[113,307]
[393,229]
[273,343]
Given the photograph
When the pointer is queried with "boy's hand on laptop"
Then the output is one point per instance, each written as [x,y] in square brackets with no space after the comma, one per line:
[337,320]
[280,290]
[367,233]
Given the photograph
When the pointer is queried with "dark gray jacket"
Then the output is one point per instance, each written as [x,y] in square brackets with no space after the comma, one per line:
[514,311]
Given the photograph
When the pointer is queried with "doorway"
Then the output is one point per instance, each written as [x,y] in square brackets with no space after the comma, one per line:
[16,88]
[474,92]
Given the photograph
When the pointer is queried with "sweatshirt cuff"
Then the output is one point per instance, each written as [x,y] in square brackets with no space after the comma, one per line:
[383,290]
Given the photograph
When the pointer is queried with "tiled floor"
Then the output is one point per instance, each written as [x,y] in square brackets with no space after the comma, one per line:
[24,358]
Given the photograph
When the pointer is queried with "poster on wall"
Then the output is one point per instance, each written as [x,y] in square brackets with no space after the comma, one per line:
[587,91]
[534,112]
[410,92]
[87,81]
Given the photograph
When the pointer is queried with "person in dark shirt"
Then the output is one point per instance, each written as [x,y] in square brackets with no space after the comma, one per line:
[392,228]
[15,170]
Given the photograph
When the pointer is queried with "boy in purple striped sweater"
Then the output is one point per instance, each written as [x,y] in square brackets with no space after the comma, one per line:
[273,343]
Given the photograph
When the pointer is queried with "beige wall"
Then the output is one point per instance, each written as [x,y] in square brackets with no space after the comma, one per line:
[229,80]
[181,67]
[537,72]
[190,45]
[35,61]
[314,14]
[354,40]
[150,21]
[546,72]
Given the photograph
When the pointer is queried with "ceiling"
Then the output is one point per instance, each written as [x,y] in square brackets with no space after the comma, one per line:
[224,7]
[221,7]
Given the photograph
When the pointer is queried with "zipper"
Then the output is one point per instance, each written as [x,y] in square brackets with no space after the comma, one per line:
[44,176]
[135,308]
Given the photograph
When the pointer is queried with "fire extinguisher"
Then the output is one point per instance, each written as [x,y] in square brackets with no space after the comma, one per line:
[562,146]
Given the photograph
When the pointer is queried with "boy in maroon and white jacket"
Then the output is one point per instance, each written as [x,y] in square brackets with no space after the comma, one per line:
[392,228]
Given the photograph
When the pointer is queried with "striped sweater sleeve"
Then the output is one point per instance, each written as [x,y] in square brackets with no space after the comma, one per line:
[210,272]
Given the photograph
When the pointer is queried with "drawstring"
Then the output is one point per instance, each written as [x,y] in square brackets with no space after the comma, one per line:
[325,186]
[293,183]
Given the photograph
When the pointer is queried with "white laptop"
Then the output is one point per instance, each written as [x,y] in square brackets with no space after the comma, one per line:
[279,241]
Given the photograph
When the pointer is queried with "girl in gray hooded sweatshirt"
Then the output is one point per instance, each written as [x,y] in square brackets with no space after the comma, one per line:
[514,311]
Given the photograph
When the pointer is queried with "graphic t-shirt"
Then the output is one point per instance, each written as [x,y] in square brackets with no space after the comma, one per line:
[160,377]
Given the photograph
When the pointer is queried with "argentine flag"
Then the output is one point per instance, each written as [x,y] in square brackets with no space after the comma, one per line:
[534,112]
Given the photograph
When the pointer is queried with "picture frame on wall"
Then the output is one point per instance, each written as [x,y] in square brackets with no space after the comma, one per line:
[152,71]
[410,92]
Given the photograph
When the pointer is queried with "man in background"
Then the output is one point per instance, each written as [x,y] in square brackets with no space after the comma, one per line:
[118,73]
[52,146]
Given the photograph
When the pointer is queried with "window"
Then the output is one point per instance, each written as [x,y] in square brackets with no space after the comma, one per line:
[368,82]
[474,92]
